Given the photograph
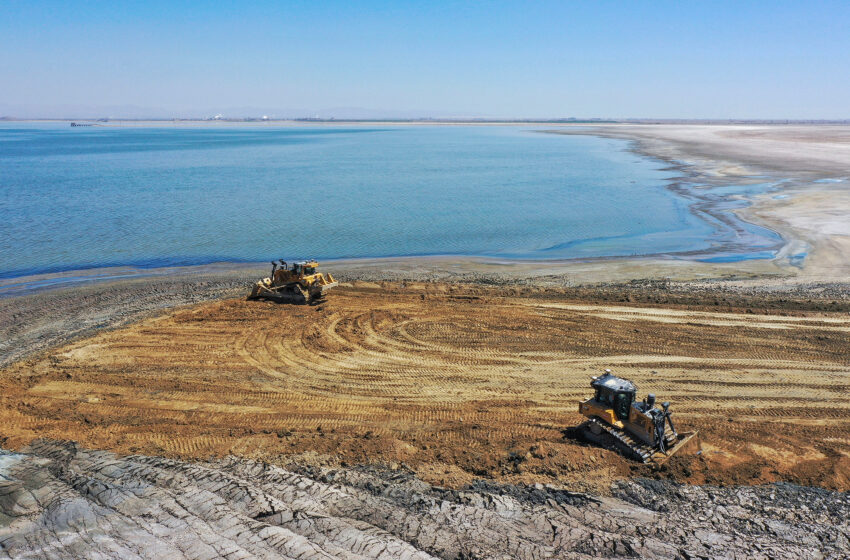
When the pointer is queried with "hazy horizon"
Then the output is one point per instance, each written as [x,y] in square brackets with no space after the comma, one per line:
[659,60]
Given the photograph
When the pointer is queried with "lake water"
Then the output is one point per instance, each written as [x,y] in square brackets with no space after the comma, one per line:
[73,198]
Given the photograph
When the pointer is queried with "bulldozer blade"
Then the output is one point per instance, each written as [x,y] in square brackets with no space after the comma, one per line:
[688,443]
[328,286]
[256,292]
[287,298]
[286,294]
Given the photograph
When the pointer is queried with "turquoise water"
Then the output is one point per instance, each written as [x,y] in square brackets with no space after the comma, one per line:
[74,198]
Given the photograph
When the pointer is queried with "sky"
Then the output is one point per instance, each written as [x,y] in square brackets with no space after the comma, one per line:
[603,59]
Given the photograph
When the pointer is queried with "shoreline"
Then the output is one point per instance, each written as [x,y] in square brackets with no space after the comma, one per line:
[706,157]
[808,165]
[811,218]
[437,268]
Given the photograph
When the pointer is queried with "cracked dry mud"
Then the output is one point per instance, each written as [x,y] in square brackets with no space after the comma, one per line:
[60,501]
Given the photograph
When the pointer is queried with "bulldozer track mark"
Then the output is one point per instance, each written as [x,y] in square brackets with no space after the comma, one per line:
[691,315]
[482,385]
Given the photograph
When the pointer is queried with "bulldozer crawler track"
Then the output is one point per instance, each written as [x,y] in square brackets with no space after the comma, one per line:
[631,447]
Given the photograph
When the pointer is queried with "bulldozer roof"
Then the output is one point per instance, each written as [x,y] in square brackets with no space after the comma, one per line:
[613,383]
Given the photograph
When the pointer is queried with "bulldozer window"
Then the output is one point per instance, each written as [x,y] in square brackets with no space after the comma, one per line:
[604,397]
[309,270]
[622,401]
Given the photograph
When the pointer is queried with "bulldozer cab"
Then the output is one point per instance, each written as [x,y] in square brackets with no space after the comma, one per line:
[615,393]
[304,268]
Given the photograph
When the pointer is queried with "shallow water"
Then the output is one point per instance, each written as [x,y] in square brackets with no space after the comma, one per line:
[74,198]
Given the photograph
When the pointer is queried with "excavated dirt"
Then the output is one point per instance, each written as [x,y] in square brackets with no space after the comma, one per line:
[60,501]
[456,382]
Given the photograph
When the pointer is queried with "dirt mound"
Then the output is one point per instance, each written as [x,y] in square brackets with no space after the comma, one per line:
[60,501]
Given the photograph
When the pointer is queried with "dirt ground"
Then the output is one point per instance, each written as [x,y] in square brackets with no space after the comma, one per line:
[457,382]
[63,501]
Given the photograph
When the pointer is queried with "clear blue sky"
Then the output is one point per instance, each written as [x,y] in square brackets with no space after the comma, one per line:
[706,59]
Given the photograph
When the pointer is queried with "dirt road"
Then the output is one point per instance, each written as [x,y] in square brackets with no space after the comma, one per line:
[458,382]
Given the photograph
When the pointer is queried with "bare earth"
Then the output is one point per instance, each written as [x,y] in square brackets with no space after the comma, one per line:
[457,382]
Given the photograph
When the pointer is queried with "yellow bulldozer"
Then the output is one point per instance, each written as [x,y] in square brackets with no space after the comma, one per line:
[636,429]
[298,282]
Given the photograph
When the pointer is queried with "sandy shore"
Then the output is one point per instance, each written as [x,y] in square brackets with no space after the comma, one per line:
[809,163]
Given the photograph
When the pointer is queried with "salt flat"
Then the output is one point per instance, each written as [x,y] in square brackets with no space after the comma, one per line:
[810,162]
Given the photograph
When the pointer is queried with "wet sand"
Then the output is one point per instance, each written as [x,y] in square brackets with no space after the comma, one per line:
[810,206]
